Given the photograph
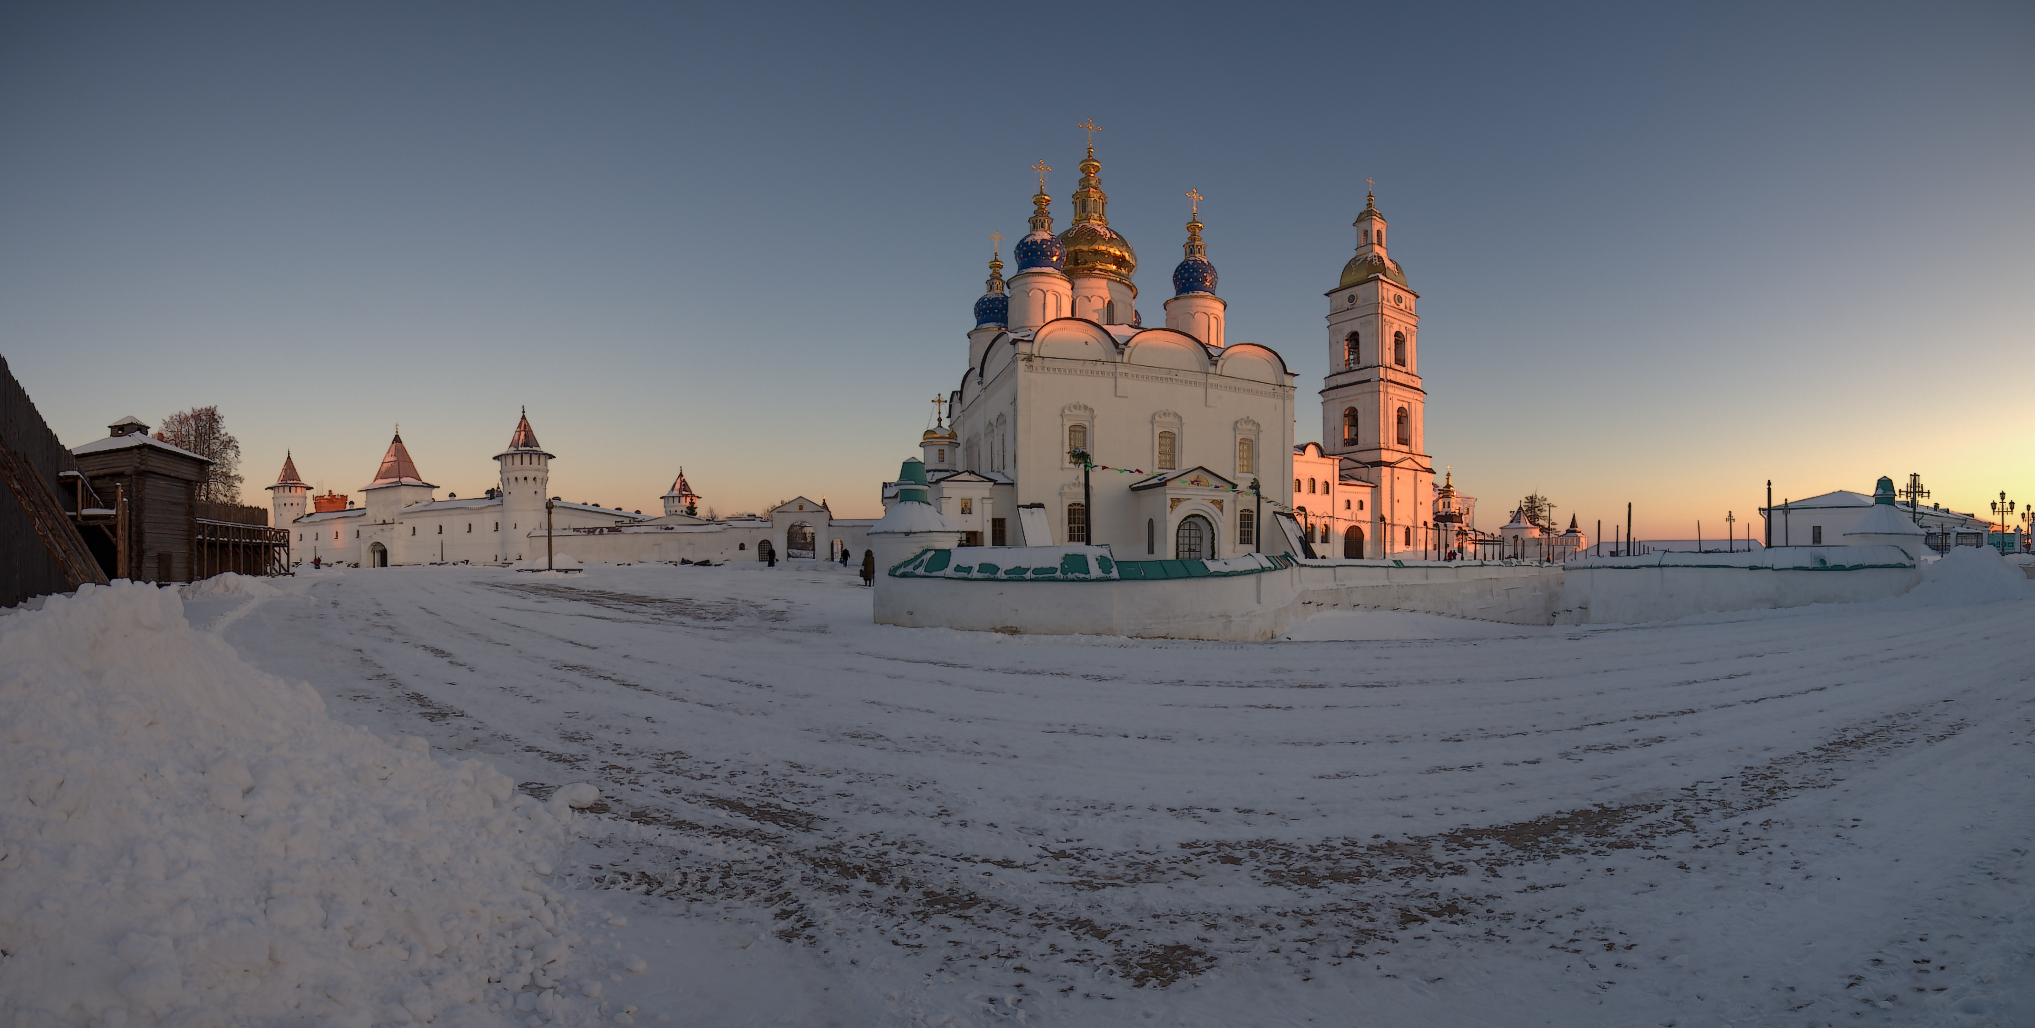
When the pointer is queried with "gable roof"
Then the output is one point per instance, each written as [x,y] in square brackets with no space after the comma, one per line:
[791,505]
[1209,480]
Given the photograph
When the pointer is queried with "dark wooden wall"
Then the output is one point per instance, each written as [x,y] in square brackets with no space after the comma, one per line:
[26,568]
[161,492]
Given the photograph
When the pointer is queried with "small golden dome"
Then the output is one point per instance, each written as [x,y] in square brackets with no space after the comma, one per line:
[937,433]
[1366,266]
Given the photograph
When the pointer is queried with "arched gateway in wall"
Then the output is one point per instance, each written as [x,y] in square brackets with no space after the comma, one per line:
[377,556]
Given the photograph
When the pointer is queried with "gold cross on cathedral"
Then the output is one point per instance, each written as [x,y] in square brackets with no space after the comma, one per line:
[1040,167]
[939,410]
[1194,196]
[996,241]
[1092,128]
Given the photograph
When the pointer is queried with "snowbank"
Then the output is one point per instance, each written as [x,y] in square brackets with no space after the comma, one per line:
[230,584]
[1970,574]
[185,838]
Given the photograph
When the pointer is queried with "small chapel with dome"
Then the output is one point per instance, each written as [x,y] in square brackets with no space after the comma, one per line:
[1179,430]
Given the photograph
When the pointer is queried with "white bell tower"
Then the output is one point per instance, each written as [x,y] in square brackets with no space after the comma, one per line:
[1373,408]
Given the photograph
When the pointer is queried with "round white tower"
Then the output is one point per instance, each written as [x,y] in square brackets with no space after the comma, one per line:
[1039,292]
[1194,308]
[526,480]
[289,496]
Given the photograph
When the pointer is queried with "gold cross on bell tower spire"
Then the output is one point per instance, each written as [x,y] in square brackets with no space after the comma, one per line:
[1091,128]
[1194,196]
[1040,167]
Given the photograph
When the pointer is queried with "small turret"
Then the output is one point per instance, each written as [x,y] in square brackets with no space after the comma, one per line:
[1194,308]
[289,495]
[993,309]
[526,481]
[680,499]
[1039,292]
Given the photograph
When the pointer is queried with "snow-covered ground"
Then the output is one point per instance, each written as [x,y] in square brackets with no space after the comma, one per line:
[1813,816]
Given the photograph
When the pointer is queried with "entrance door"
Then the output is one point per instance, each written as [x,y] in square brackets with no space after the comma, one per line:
[1353,543]
[798,540]
[1194,539]
[378,556]
[763,550]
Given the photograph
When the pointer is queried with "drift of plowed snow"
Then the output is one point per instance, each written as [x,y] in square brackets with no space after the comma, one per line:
[186,839]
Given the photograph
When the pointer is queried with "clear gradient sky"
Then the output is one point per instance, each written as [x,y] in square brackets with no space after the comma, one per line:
[1665,255]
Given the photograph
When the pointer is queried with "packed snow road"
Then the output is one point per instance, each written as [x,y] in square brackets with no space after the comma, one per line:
[1817,816]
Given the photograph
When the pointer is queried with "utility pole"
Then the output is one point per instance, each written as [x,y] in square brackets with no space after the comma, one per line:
[1628,528]
[1600,537]
[547,535]
[1769,512]
[1731,532]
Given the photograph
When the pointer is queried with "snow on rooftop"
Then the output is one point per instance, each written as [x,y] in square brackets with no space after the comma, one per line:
[122,442]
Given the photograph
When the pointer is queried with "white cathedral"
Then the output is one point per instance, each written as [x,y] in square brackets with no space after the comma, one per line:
[1180,424]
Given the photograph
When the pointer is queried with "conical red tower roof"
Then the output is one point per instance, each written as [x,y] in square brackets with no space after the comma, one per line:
[680,488]
[525,438]
[289,475]
[397,466]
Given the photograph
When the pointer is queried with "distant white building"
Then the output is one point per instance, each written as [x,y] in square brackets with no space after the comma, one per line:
[403,522]
[1823,520]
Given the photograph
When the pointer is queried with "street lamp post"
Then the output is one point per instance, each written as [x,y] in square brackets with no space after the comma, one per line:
[1257,518]
[547,535]
[1730,532]
[1081,457]
[2003,512]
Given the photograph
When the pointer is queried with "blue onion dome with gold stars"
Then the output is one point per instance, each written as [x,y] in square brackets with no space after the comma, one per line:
[1092,247]
[1195,274]
[1370,261]
[1040,248]
[994,306]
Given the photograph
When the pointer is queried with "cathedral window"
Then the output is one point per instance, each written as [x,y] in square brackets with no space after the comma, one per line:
[1346,504]
[1169,456]
[1246,457]
[1367,235]
[413,529]
[1077,523]
[498,526]
[1409,535]
[1077,438]
[942,458]
[1296,485]
[1247,528]
[1399,348]
[1310,485]
[441,529]
[469,528]
[1381,237]
[1349,426]
[1350,350]
[1109,313]
[1405,428]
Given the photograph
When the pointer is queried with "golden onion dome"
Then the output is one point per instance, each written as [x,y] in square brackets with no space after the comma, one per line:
[1090,245]
[1366,266]
[937,433]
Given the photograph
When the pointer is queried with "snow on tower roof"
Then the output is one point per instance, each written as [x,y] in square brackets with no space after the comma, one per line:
[680,488]
[397,468]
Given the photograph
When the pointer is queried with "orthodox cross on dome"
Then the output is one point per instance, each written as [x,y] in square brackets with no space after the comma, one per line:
[1042,169]
[1194,196]
[1091,128]
[939,411]
[996,243]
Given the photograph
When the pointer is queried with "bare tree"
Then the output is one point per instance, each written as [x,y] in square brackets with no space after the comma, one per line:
[202,430]
[1535,507]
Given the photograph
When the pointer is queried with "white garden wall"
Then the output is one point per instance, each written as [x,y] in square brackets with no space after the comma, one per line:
[1247,607]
